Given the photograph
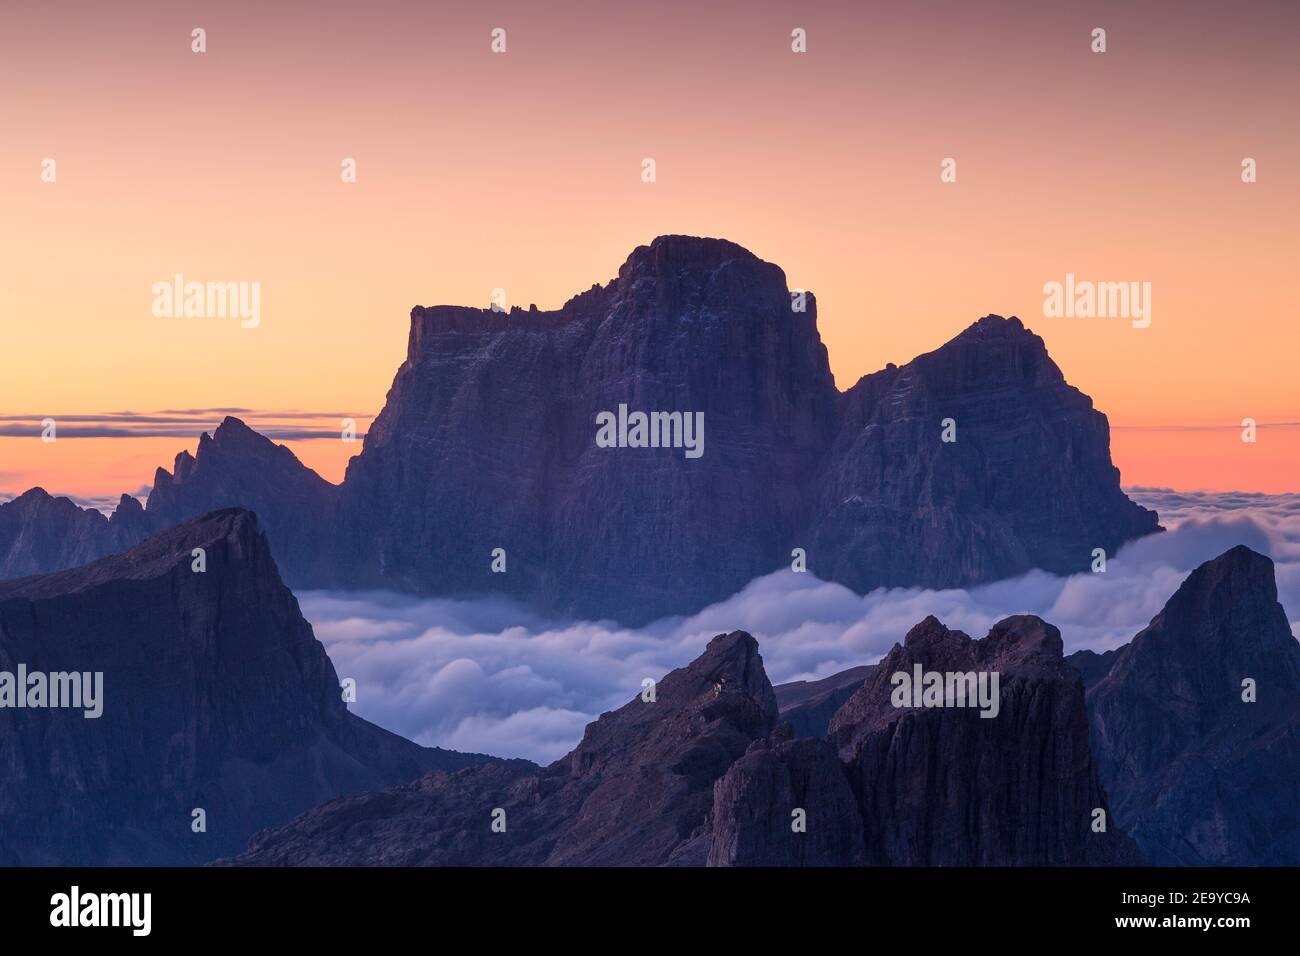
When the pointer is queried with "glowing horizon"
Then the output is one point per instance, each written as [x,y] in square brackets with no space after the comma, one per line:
[522,171]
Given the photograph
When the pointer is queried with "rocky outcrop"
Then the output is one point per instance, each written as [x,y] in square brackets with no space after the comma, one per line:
[786,803]
[1197,773]
[233,467]
[215,696]
[487,441]
[1024,480]
[944,785]
[808,706]
[636,791]
[237,467]
[40,533]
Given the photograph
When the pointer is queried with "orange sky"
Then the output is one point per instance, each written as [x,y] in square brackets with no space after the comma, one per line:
[521,171]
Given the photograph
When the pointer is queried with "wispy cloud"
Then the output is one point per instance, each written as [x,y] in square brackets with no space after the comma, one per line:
[188,423]
[484,675]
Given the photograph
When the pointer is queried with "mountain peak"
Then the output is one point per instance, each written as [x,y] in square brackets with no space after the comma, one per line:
[994,324]
[991,329]
[1227,606]
[685,252]
[684,267]
[35,494]
[1022,690]
[1195,724]
[231,426]
[1239,565]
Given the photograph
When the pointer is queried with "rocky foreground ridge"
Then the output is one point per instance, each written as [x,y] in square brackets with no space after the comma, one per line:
[709,773]
[216,697]
[706,773]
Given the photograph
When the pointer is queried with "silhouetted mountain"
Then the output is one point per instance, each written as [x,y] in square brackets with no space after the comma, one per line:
[703,775]
[947,786]
[1026,481]
[234,467]
[215,695]
[40,533]
[1198,775]
[237,467]
[488,440]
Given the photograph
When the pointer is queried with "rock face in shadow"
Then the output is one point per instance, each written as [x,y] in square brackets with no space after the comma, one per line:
[488,439]
[1026,481]
[636,791]
[786,803]
[487,446]
[704,775]
[215,695]
[1198,775]
[945,786]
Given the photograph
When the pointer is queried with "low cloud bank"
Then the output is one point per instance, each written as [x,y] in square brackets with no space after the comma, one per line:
[486,676]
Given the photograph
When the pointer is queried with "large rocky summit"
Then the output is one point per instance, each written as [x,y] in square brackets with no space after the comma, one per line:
[486,453]
[487,441]
[215,696]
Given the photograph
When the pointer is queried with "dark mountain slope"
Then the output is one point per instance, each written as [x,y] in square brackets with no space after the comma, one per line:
[636,791]
[215,695]
[1197,774]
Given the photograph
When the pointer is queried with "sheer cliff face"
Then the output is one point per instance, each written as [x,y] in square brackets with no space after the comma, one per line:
[1025,480]
[487,441]
[215,695]
[786,803]
[637,790]
[1198,774]
[946,786]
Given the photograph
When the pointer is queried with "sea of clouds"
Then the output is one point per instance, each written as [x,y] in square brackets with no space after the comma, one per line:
[486,676]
